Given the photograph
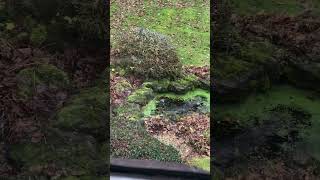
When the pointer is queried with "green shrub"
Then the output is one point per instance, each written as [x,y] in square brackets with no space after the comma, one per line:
[149,54]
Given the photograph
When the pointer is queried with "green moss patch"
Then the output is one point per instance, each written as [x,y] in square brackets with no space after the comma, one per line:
[44,75]
[188,27]
[201,162]
[85,112]
[231,67]
[257,105]
[141,96]
[130,140]
[179,86]
[75,153]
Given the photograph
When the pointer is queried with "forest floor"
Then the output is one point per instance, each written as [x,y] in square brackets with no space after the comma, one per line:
[172,124]
[53,98]
[266,117]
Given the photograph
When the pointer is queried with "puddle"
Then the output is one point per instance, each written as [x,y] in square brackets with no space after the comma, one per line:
[173,105]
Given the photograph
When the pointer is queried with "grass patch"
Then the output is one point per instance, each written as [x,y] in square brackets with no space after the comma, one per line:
[130,140]
[201,162]
[189,29]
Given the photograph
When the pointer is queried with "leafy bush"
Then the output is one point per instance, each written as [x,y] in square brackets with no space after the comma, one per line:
[149,54]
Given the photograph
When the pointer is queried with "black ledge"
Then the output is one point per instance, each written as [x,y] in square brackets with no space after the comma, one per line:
[157,168]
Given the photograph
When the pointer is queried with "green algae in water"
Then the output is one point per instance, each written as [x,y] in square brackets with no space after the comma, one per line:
[149,109]
[188,96]
[256,106]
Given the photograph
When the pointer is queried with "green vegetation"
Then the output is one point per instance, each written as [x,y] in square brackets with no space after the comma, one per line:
[141,96]
[151,106]
[201,162]
[64,149]
[167,37]
[137,143]
[86,112]
[44,75]
[188,27]
[149,54]
[255,62]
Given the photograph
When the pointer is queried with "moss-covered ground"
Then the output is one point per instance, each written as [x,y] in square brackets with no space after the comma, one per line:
[188,26]
[257,105]
[250,115]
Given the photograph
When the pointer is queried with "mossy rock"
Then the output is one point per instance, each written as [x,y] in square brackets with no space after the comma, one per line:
[141,96]
[75,153]
[86,112]
[183,85]
[179,85]
[45,75]
[201,162]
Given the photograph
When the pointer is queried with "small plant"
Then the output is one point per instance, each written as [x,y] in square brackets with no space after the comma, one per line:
[149,54]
